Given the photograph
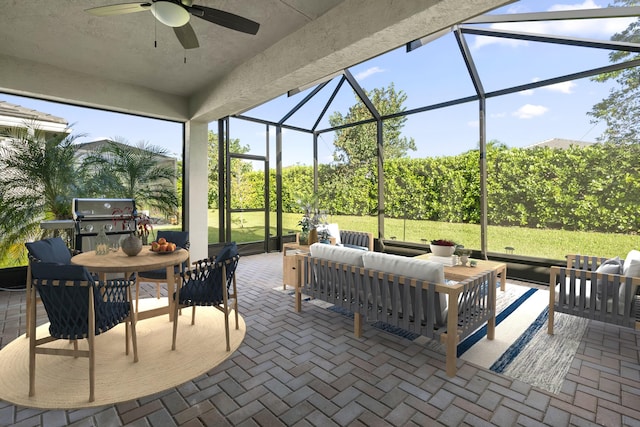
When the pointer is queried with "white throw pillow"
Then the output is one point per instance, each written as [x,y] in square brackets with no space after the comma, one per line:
[334,231]
[632,264]
[631,268]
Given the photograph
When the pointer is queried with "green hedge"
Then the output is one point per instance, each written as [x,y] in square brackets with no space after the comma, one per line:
[594,188]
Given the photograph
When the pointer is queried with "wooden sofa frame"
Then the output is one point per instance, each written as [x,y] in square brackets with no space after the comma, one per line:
[472,303]
[580,275]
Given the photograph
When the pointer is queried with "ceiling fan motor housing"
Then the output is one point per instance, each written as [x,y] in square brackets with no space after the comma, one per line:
[170,13]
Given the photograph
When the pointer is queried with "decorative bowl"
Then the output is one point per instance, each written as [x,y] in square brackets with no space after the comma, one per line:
[163,252]
[445,251]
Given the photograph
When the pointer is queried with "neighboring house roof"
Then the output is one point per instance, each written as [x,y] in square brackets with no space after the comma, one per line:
[86,147]
[12,115]
[560,143]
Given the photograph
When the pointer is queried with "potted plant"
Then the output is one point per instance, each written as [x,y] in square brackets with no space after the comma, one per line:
[323,235]
[442,247]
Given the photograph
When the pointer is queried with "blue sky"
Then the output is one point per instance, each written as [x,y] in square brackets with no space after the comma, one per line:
[430,74]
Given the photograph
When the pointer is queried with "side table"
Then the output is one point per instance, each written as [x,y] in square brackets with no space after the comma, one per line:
[292,268]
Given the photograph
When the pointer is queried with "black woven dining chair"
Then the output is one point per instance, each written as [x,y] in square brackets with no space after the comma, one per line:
[52,249]
[78,307]
[159,276]
[211,282]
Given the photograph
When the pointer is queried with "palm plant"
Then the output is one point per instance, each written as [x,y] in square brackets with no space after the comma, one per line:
[37,183]
[139,172]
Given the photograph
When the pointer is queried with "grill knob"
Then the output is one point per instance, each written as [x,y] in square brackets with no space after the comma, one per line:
[88,228]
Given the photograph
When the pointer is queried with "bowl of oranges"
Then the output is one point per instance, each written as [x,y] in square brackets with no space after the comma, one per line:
[162,247]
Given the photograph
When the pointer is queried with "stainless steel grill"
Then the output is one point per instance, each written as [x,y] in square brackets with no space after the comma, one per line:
[116,216]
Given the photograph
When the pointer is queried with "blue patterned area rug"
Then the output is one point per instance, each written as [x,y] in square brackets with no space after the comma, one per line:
[522,349]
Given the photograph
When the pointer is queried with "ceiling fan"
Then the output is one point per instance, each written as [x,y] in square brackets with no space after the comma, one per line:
[177,13]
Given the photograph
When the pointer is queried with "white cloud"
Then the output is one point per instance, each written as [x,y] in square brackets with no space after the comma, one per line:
[485,41]
[368,72]
[585,28]
[529,111]
[565,87]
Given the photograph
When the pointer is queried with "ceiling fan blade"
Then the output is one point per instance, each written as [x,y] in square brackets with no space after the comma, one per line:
[225,19]
[118,9]
[186,36]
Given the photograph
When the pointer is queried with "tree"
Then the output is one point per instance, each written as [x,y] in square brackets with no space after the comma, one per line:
[38,182]
[620,109]
[357,145]
[141,172]
[236,165]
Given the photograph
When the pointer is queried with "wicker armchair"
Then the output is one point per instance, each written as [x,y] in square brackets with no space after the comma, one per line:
[596,288]
[78,307]
[212,282]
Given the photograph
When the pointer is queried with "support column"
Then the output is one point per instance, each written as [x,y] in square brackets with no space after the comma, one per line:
[195,187]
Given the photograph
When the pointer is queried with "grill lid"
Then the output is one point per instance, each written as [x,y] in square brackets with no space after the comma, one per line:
[103,209]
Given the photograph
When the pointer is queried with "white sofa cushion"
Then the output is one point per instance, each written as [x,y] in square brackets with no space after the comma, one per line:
[337,254]
[404,266]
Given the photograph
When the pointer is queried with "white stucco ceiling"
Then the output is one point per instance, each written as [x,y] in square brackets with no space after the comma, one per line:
[55,50]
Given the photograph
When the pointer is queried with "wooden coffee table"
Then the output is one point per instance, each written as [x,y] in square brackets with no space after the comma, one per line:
[460,273]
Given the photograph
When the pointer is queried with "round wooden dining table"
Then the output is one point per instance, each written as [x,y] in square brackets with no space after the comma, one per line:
[146,260]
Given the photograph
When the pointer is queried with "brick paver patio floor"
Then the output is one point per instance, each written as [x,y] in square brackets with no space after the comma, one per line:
[300,369]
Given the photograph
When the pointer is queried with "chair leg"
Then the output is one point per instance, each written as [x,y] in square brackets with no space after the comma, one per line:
[226,327]
[134,338]
[29,290]
[126,336]
[158,290]
[92,367]
[235,309]
[193,315]
[32,346]
[175,325]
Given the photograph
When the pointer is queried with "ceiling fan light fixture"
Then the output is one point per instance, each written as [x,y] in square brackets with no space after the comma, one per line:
[170,14]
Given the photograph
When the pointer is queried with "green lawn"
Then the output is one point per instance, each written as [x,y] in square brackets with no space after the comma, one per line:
[553,244]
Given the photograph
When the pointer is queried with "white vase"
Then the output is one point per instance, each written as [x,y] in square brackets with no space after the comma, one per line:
[445,251]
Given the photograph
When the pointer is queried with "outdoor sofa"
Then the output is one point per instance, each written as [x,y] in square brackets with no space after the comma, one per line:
[403,292]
